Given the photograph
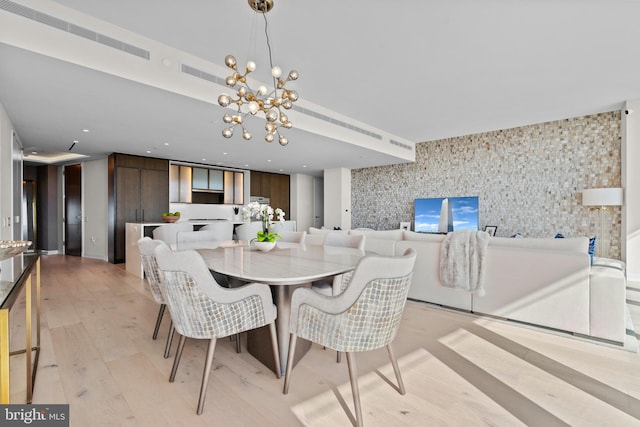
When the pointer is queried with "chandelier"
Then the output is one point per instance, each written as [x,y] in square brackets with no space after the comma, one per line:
[272,102]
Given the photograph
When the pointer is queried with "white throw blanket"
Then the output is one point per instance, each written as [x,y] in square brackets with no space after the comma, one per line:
[462,256]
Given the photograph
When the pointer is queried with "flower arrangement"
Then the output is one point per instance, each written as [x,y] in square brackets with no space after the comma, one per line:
[266,214]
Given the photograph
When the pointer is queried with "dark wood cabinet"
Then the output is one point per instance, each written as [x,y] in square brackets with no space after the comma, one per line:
[138,191]
[275,186]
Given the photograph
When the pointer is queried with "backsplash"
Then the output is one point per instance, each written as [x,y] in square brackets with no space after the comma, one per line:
[528,179]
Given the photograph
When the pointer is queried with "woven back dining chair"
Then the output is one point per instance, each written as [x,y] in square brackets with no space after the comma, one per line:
[364,316]
[147,247]
[202,309]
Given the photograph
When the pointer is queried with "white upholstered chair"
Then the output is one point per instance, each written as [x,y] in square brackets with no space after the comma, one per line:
[343,240]
[147,249]
[292,236]
[168,232]
[278,226]
[202,309]
[223,230]
[248,230]
[364,316]
[207,239]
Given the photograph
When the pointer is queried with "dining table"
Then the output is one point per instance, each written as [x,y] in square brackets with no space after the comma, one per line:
[284,268]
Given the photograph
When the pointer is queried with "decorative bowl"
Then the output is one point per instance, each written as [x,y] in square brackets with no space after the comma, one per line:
[11,248]
[170,218]
[263,246]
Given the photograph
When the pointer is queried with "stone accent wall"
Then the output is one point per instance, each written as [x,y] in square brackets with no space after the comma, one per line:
[528,179]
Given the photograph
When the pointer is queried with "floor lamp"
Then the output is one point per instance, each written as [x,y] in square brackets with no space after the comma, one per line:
[602,198]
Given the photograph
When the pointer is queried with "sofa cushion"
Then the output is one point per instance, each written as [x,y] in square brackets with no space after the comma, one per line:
[379,234]
[571,244]
[425,237]
[323,231]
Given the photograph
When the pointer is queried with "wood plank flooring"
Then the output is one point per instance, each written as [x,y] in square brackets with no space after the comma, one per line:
[98,356]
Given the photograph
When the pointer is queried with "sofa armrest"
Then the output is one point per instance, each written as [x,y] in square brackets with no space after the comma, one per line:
[607,305]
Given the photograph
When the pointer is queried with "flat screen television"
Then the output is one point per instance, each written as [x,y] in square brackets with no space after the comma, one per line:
[444,214]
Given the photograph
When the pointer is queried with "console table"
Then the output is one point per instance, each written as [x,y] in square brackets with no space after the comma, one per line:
[11,292]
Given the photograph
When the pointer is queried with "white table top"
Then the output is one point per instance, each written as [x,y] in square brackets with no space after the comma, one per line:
[281,266]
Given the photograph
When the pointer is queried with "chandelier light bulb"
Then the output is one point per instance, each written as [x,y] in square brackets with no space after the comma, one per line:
[262,90]
[224,100]
[287,105]
[227,132]
[230,61]
[283,140]
[268,137]
[251,66]
[246,135]
[271,115]
[253,107]
[276,71]
[293,75]
[227,118]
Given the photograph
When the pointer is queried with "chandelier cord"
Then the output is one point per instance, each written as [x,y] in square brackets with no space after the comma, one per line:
[266,33]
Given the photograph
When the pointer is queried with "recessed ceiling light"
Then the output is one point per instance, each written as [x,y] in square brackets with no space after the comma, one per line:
[166,143]
[224,154]
[304,166]
[148,151]
[86,130]
[269,160]
[204,160]
[281,170]
[246,166]
[75,141]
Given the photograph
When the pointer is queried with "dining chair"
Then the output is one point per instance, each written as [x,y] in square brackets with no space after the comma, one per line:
[223,230]
[168,232]
[364,316]
[202,309]
[292,236]
[248,230]
[147,247]
[278,226]
[207,239]
[343,240]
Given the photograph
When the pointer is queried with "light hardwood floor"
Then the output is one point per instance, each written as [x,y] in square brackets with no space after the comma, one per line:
[98,356]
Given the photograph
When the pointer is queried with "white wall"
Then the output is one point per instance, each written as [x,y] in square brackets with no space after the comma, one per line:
[6,191]
[95,209]
[631,185]
[337,198]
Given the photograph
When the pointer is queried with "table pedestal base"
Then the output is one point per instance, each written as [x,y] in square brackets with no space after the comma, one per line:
[259,340]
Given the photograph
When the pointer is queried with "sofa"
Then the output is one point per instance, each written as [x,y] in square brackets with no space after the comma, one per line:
[543,282]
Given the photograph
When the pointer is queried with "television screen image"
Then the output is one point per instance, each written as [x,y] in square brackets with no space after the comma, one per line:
[444,214]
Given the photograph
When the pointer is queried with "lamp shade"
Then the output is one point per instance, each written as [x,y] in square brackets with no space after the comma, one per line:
[602,197]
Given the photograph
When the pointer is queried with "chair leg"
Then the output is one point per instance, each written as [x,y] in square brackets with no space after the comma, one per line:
[238,346]
[205,375]
[338,357]
[167,347]
[159,320]
[176,361]
[292,352]
[396,369]
[353,377]
[276,352]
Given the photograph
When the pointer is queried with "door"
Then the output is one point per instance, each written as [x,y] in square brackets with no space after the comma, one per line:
[73,210]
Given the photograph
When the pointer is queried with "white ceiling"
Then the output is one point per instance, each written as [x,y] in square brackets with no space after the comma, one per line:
[419,70]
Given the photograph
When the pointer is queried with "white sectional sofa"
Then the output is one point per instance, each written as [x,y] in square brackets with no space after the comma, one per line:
[544,282]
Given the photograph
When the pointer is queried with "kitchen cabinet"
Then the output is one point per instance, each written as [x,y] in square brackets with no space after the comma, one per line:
[234,187]
[273,186]
[207,179]
[138,191]
[180,183]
